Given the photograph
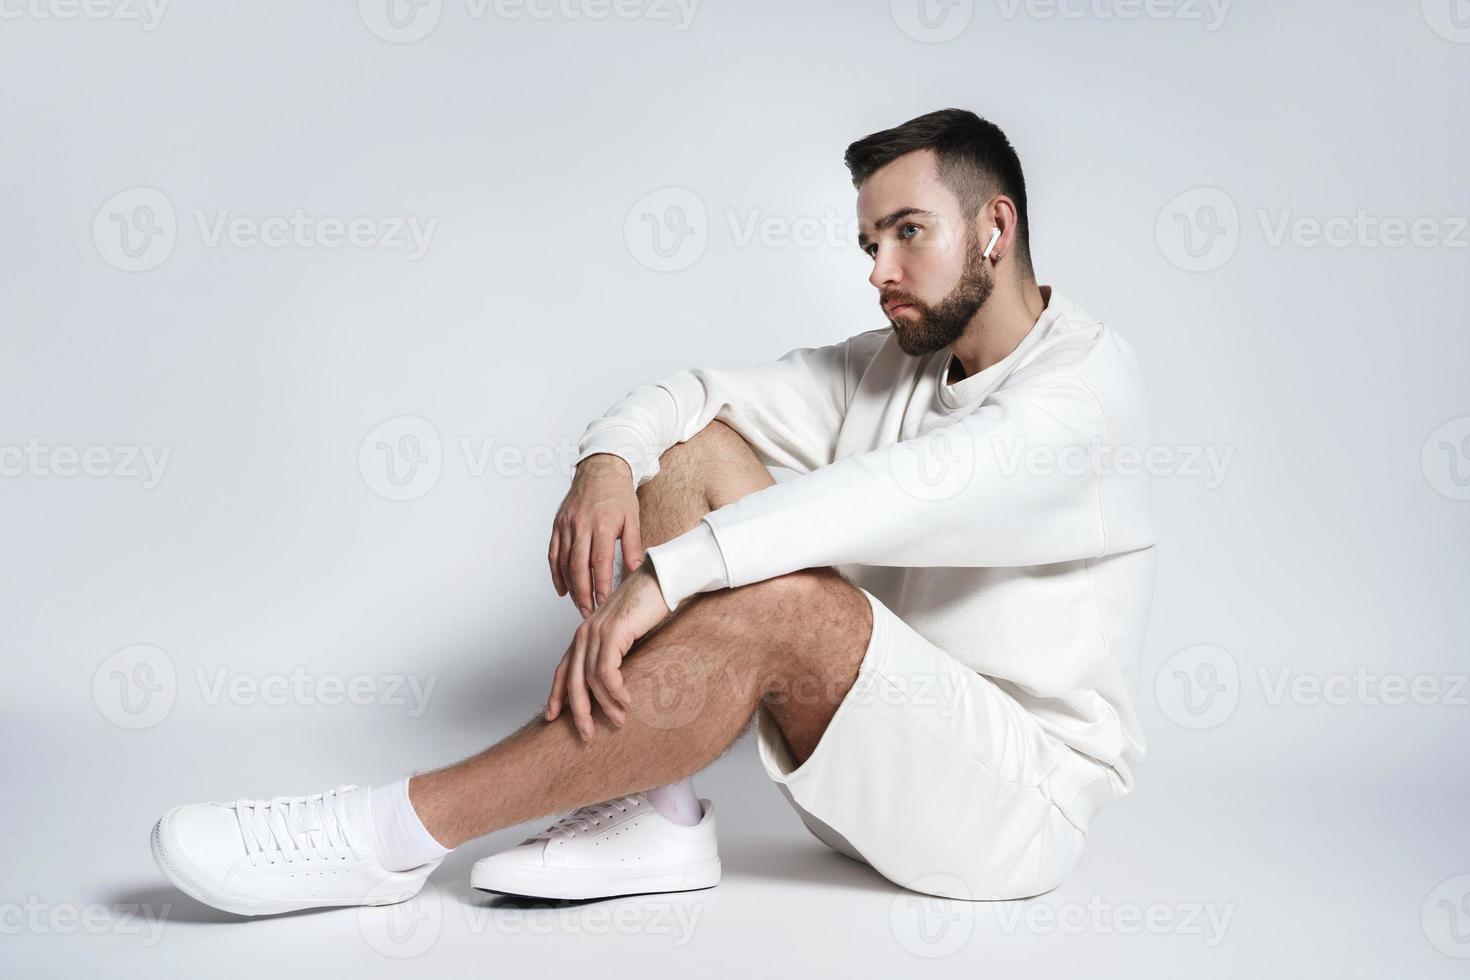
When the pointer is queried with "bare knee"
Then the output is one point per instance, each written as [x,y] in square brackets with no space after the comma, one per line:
[817,664]
[718,462]
[809,620]
[718,429]
[715,437]
[820,586]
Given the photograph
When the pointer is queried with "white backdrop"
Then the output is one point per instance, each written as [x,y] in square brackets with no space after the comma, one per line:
[306,306]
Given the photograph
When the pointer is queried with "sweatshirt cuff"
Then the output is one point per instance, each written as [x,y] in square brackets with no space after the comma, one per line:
[626,445]
[690,563]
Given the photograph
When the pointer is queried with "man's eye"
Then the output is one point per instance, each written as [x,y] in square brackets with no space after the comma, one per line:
[907,227]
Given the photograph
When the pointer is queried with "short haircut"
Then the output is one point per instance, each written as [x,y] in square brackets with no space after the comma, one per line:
[973,158]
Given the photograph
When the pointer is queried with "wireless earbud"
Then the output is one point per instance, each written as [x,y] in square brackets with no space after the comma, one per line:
[994,235]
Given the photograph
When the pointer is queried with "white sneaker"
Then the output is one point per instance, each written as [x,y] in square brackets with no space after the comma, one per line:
[620,847]
[257,857]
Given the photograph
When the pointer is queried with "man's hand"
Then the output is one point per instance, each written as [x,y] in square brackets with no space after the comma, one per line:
[599,509]
[592,663]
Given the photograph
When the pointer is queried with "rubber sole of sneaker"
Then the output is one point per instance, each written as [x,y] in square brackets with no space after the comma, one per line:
[555,883]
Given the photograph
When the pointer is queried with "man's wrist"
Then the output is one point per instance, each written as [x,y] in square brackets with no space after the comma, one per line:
[603,459]
[648,569]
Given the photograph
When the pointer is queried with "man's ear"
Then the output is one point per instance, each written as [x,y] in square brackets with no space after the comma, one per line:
[986,220]
[999,214]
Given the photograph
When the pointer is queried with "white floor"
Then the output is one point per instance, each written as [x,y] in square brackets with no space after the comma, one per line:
[1198,875]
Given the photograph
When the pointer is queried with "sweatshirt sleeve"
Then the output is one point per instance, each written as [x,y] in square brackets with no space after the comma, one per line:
[789,410]
[1018,481]
[692,565]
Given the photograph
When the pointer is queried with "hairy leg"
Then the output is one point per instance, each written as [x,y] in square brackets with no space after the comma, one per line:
[794,641]
[714,468]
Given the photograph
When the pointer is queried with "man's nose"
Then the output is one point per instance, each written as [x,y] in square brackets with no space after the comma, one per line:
[885,271]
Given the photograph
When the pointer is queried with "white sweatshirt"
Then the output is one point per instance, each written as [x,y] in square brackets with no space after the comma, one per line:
[1006,517]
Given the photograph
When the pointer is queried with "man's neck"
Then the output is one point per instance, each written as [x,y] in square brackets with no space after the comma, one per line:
[997,328]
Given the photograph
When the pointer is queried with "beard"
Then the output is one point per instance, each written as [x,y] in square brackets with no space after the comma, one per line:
[924,329]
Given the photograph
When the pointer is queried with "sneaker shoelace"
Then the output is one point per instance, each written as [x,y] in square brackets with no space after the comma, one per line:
[587,817]
[293,828]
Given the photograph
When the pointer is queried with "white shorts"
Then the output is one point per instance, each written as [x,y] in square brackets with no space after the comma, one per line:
[937,778]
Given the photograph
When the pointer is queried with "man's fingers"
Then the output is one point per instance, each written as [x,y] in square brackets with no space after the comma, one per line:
[594,682]
[577,688]
[564,557]
[612,679]
[581,579]
[605,699]
[632,542]
[602,563]
[608,667]
[558,691]
[553,558]
[596,679]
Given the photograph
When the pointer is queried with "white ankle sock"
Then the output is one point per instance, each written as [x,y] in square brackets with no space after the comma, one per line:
[402,840]
[677,802]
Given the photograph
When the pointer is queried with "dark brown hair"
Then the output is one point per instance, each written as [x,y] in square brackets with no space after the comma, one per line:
[974,159]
